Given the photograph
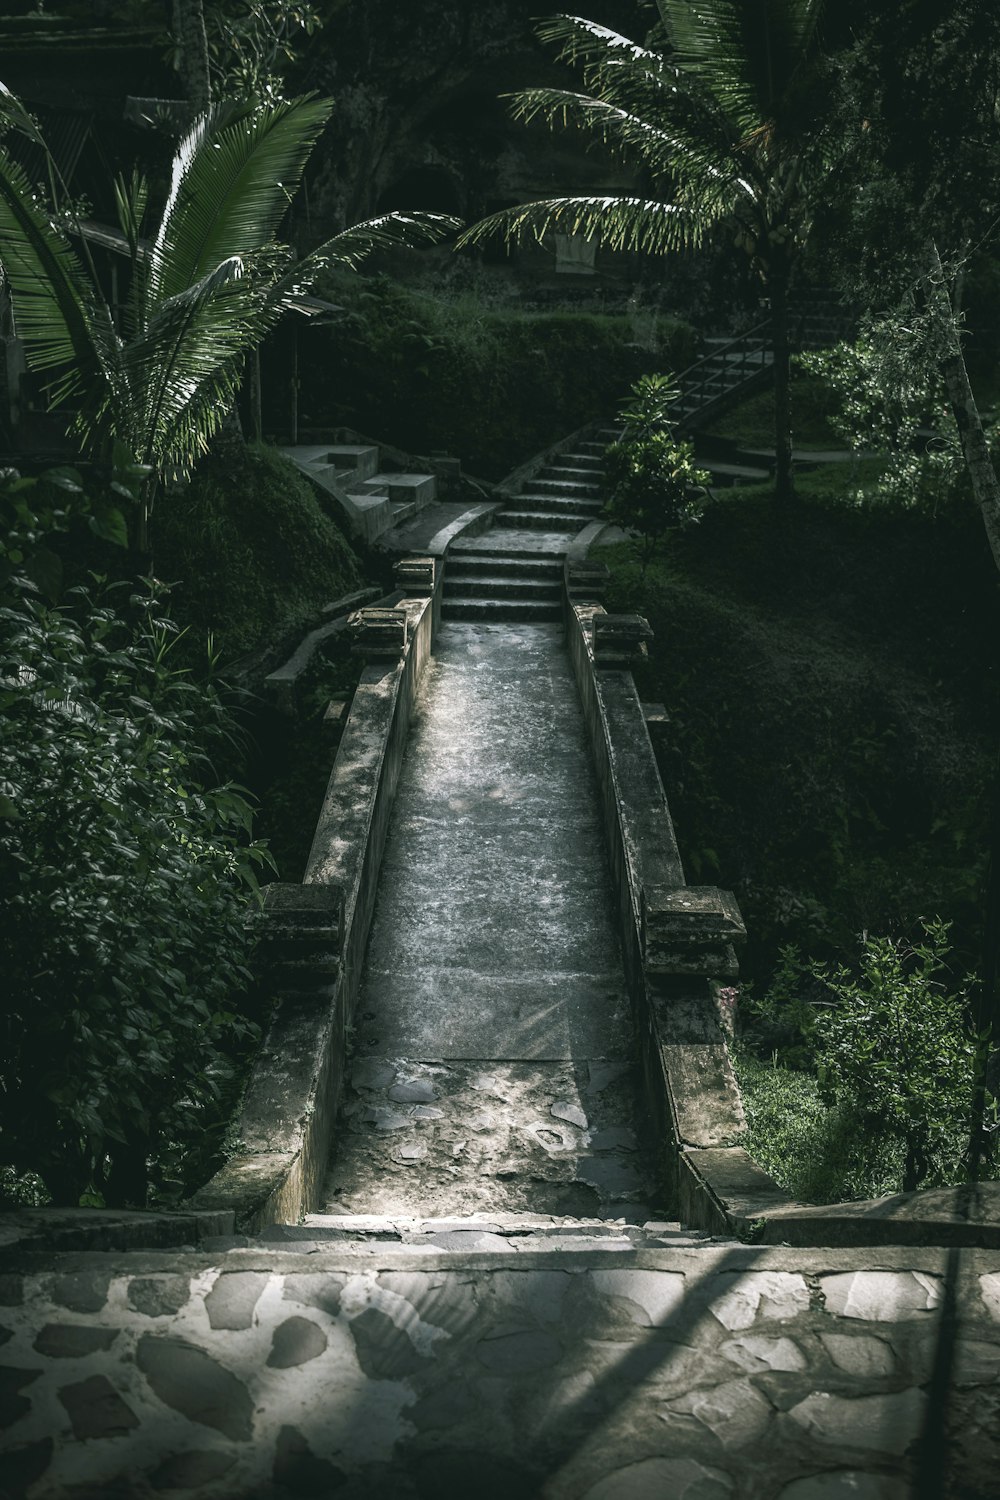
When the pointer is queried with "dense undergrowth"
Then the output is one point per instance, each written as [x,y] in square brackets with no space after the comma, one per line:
[488,383]
[249,550]
[129,849]
[834,700]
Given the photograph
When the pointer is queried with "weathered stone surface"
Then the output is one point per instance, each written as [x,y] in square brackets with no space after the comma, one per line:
[189,1471]
[72,1341]
[298,1469]
[653,1298]
[861,1356]
[158,1296]
[491,1142]
[444,1408]
[295,1342]
[989,1287]
[25,1463]
[756,1352]
[96,1410]
[734,1412]
[81,1291]
[11,1290]
[565,1109]
[385,1351]
[881,1296]
[744,1296]
[846,1484]
[6,1334]
[976,1363]
[413,1091]
[233,1298]
[12,1405]
[520,1352]
[659,1478]
[882,1423]
[316,1290]
[190,1381]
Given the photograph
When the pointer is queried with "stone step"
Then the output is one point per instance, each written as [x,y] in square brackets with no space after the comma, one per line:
[473,564]
[418,489]
[532,520]
[553,479]
[501,1233]
[593,449]
[583,460]
[515,544]
[359,459]
[578,504]
[536,610]
[502,587]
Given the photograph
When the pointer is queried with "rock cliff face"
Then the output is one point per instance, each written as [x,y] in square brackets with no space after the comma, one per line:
[418,122]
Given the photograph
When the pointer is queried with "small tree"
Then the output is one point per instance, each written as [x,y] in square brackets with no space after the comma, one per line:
[896,1045]
[655,485]
[151,389]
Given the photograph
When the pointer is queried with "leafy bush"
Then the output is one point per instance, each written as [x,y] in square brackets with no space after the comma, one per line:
[490,384]
[870,1087]
[890,399]
[250,548]
[654,486]
[126,877]
[894,1046]
[813,1150]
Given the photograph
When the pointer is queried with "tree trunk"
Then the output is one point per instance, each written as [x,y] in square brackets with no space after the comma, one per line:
[192,48]
[784,489]
[975,449]
[986,493]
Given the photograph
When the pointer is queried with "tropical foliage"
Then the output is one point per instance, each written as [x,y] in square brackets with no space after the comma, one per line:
[719,118]
[654,486]
[126,873]
[151,389]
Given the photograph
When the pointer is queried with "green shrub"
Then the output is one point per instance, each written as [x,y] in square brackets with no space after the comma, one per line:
[894,1047]
[813,1150]
[489,384]
[250,549]
[126,876]
[654,486]
[870,1087]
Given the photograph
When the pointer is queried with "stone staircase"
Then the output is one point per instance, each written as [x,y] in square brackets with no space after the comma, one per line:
[373,499]
[564,495]
[484,582]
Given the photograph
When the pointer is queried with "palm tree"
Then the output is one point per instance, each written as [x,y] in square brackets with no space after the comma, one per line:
[205,288]
[722,124]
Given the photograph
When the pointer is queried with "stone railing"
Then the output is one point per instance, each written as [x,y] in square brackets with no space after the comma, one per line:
[679,943]
[313,935]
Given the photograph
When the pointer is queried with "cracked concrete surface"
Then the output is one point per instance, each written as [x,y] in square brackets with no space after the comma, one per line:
[492,1029]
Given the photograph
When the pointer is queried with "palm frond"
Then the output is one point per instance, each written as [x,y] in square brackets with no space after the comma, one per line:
[57,313]
[747,52]
[668,153]
[351,246]
[617,223]
[586,42]
[234,175]
[193,345]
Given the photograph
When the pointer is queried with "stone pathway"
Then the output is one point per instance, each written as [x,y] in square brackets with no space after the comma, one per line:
[492,1031]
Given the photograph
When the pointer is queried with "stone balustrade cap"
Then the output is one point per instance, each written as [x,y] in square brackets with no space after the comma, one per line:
[692,914]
